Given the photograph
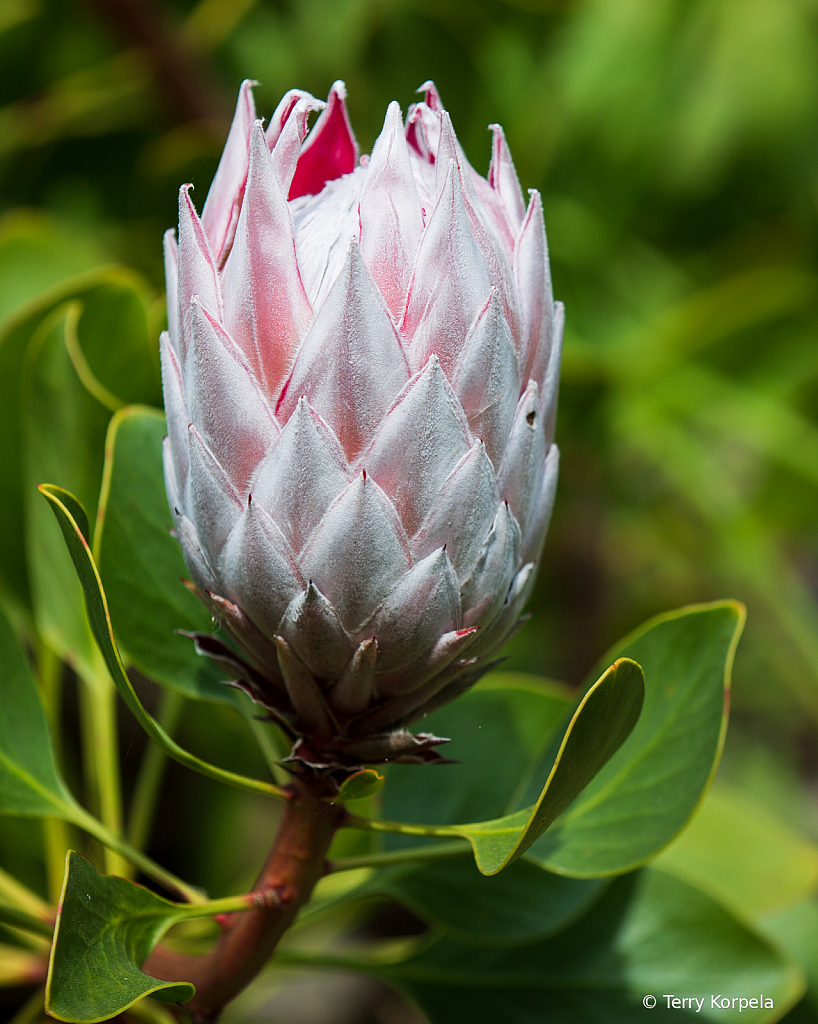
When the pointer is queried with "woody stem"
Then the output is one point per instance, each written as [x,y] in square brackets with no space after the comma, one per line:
[295,863]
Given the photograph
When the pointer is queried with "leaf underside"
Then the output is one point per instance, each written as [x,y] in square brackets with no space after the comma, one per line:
[504,732]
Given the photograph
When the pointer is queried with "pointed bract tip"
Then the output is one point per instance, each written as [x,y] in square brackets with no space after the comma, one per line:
[329,151]
[433,361]
[432,96]
[185,202]
[394,114]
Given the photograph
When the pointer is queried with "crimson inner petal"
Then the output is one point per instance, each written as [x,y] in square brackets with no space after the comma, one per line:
[330,152]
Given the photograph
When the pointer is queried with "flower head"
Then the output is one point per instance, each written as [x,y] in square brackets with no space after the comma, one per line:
[360,379]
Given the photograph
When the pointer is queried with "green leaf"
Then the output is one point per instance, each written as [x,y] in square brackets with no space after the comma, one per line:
[64,429]
[13,569]
[796,932]
[499,732]
[650,934]
[361,785]
[639,801]
[601,723]
[141,564]
[29,264]
[650,788]
[99,619]
[776,868]
[36,255]
[521,905]
[118,341]
[75,510]
[29,781]
[106,928]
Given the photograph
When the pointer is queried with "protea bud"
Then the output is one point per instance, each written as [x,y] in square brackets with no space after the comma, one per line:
[360,382]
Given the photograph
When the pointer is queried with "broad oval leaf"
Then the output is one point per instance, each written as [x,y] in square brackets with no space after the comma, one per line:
[601,723]
[141,564]
[34,273]
[127,371]
[650,934]
[36,259]
[499,733]
[651,787]
[644,796]
[64,429]
[796,932]
[775,870]
[29,781]
[521,905]
[106,929]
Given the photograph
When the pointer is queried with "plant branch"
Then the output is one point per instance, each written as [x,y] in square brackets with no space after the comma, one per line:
[230,904]
[101,754]
[187,89]
[14,892]
[28,922]
[151,771]
[418,854]
[57,843]
[55,831]
[272,744]
[399,827]
[295,863]
[147,866]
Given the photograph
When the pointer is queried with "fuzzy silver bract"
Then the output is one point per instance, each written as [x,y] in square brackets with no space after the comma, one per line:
[360,379]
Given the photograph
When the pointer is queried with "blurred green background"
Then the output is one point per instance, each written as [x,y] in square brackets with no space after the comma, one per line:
[676,146]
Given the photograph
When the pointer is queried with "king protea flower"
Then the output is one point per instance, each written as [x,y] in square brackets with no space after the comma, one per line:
[360,379]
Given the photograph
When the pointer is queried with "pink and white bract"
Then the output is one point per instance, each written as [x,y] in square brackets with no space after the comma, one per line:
[360,382]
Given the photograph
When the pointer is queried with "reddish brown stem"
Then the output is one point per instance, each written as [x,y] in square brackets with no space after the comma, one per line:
[294,864]
[186,86]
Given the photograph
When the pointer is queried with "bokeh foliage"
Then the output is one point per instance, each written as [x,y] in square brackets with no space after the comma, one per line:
[674,142]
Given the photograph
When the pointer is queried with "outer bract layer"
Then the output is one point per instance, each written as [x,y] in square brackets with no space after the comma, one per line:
[360,379]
